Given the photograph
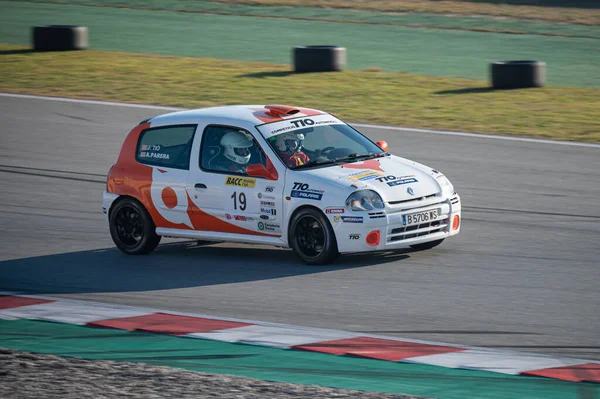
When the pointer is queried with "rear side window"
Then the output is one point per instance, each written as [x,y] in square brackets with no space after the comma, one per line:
[168,146]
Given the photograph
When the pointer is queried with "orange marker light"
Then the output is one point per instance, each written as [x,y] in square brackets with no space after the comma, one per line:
[455,222]
[373,238]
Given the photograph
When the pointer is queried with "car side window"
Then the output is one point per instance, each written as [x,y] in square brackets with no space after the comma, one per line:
[230,150]
[167,146]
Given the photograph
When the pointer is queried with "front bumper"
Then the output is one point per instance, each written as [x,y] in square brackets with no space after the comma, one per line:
[354,236]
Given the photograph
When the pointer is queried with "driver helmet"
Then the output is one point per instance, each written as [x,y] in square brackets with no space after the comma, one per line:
[236,147]
[289,142]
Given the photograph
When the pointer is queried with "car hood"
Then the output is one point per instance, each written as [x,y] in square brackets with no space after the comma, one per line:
[390,176]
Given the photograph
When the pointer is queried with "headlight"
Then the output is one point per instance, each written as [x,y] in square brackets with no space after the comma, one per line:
[364,200]
[447,187]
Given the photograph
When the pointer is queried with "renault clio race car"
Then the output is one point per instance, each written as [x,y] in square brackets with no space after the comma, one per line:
[277,175]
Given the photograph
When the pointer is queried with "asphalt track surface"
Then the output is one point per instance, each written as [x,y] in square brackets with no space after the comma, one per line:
[523,274]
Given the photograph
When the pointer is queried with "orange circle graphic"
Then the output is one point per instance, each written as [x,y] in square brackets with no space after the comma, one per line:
[169,197]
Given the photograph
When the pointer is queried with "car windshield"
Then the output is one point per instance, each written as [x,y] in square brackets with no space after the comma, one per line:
[324,144]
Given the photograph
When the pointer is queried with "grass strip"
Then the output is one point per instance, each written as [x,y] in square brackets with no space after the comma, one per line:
[413,20]
[391,98]
[572,11]
[571,62]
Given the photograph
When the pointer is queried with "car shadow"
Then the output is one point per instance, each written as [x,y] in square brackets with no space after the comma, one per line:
[170,266]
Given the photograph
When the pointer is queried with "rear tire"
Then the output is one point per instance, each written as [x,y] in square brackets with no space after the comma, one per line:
[312,237]
[427,245]
[132,228]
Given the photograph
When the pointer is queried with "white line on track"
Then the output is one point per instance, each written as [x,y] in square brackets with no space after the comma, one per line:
[403,129]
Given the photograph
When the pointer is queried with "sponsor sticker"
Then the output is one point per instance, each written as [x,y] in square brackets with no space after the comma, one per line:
[269,189]
[274,128]
[302,190]
[352,219]
[268,211]
[334,210]
[306,195]
[237,181]
[264,217]
[265,226]
[267,203]
[354,236]
[336,218]
[228,216]
[396,181]
[240,218]
[362,176]
[403,181]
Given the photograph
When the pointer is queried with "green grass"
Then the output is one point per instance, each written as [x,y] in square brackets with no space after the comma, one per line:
[571,11]
[479,23]
[390,98]
[574,11]
[448,53]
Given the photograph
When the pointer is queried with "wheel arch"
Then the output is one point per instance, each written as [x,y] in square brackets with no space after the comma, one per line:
[124,197]
[299,209]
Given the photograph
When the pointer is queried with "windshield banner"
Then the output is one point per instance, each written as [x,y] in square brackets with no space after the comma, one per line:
[289,125]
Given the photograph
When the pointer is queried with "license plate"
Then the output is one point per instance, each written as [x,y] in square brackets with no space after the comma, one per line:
[419,217]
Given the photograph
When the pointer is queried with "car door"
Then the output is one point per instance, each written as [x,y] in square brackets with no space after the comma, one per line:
[230,201]
[167,149]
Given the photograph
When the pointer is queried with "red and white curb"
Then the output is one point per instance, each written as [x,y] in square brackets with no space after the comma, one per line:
[38,307]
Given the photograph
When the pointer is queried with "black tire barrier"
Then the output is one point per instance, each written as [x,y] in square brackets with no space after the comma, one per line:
[319,58]
[60,37]
[517,74]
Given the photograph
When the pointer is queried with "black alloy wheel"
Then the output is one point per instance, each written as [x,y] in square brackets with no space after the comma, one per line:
[129,226]
[132,228]
[312,237]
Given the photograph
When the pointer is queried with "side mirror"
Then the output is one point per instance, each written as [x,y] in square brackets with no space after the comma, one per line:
[259,170]
[383,145]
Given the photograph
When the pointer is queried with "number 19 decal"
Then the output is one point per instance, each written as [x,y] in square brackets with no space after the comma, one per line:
[241,198]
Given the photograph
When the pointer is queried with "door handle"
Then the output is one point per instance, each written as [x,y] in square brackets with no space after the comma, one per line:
[200,185]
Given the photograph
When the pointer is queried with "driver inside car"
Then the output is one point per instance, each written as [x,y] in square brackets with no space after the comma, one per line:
[236,152]
[289,148]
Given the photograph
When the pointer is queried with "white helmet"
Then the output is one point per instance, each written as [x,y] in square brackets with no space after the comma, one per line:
[235,147]
[289,142]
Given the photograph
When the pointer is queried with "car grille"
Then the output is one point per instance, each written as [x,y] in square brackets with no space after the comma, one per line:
[418,230]
[398,232]
[376,215]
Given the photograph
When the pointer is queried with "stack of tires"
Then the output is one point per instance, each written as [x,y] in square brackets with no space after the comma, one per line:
[60,37]
[517,74]
[319,58]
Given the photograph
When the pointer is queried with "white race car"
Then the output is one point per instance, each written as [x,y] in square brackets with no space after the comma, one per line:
[277,175]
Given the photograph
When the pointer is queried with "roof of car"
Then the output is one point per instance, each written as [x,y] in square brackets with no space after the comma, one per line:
[254,114]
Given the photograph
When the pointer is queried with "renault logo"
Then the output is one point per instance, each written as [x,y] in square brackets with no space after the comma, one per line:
[410,191]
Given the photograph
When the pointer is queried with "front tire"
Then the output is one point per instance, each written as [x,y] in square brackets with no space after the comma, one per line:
[312,237]
[132,228]
[427,245]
